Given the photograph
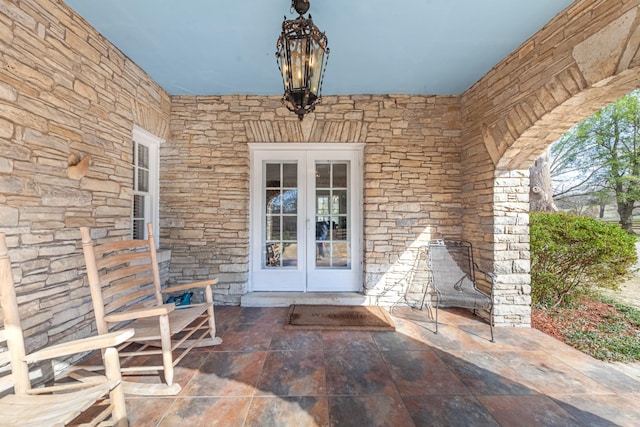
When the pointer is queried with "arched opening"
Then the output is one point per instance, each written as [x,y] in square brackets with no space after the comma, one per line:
[511,229]
[584,59]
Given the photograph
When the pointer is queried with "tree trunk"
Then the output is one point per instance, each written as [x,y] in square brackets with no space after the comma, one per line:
[625,210]
[540,189]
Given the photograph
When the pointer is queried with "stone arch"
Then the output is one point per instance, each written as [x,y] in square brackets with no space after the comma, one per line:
[585,58]
[534,140]
[511,190]
[601,68]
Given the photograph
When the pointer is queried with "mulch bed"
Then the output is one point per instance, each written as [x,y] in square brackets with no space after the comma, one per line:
[594,327]
[554,322]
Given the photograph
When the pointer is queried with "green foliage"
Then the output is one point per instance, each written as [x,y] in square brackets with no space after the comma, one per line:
[605,151]
[615,338]
[597,326]
[604,345]
[632,314]
[571,254]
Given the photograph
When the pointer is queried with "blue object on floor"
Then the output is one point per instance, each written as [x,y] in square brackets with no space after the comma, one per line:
[184,299]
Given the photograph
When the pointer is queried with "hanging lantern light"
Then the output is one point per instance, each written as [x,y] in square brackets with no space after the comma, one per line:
[302,55]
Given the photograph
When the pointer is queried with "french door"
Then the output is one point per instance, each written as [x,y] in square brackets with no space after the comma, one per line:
[306,213]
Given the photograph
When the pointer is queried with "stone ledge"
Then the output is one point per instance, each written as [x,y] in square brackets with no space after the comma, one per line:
[285,299]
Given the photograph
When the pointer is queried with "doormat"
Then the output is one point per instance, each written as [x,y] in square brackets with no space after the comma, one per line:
[339,318]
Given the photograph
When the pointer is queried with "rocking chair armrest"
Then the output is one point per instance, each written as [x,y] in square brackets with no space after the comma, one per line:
[111,339]
[158,310]
[200,284]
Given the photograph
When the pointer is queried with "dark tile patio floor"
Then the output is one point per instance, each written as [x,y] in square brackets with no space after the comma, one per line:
[263,375]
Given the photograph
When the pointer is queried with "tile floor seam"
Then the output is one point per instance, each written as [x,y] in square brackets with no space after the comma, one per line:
[451,371]
[593,378]
[167,412]
[186,385]
[326,379]
[363,395]
[487,410]
[255,387]
[395,383]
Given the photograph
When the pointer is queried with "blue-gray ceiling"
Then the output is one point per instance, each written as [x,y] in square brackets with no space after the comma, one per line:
[220,47]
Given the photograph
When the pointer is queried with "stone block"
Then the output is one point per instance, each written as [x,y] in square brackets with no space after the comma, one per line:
[85,90]
[6,131]
[234,268]
[522,266]
[99,185]
[10,215]
[23,254]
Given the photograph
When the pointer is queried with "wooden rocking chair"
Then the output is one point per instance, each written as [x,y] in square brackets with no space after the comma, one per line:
[60,404]
[125,287]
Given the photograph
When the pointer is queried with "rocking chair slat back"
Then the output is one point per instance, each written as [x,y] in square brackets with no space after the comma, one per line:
[126,283]
[125,275]
[119,245]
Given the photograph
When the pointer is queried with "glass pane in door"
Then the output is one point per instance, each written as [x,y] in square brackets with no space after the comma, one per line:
[281,215]
[333,249]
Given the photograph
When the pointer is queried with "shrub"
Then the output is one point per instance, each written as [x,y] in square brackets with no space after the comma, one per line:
[571,254]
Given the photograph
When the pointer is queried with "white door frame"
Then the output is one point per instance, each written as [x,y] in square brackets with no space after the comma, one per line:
[283,152]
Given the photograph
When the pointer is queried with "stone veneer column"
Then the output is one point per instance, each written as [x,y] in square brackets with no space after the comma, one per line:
[512,265]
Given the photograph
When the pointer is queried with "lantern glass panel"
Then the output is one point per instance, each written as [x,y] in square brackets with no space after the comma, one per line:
[315,66]
[284,66]
[298,62]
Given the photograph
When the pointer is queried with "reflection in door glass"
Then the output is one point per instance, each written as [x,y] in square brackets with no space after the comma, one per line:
[273,175]
[332,215]
[290,175]
[340,175]
[281,219]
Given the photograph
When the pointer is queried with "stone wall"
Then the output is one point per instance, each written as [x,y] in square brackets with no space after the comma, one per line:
[411,180]
[65,94]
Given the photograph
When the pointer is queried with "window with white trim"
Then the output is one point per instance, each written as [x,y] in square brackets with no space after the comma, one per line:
[146,187]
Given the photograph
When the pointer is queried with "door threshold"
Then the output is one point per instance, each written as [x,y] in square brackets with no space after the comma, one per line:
[285,299]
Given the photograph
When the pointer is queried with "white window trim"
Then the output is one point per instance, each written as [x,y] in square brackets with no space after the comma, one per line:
[142,136]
